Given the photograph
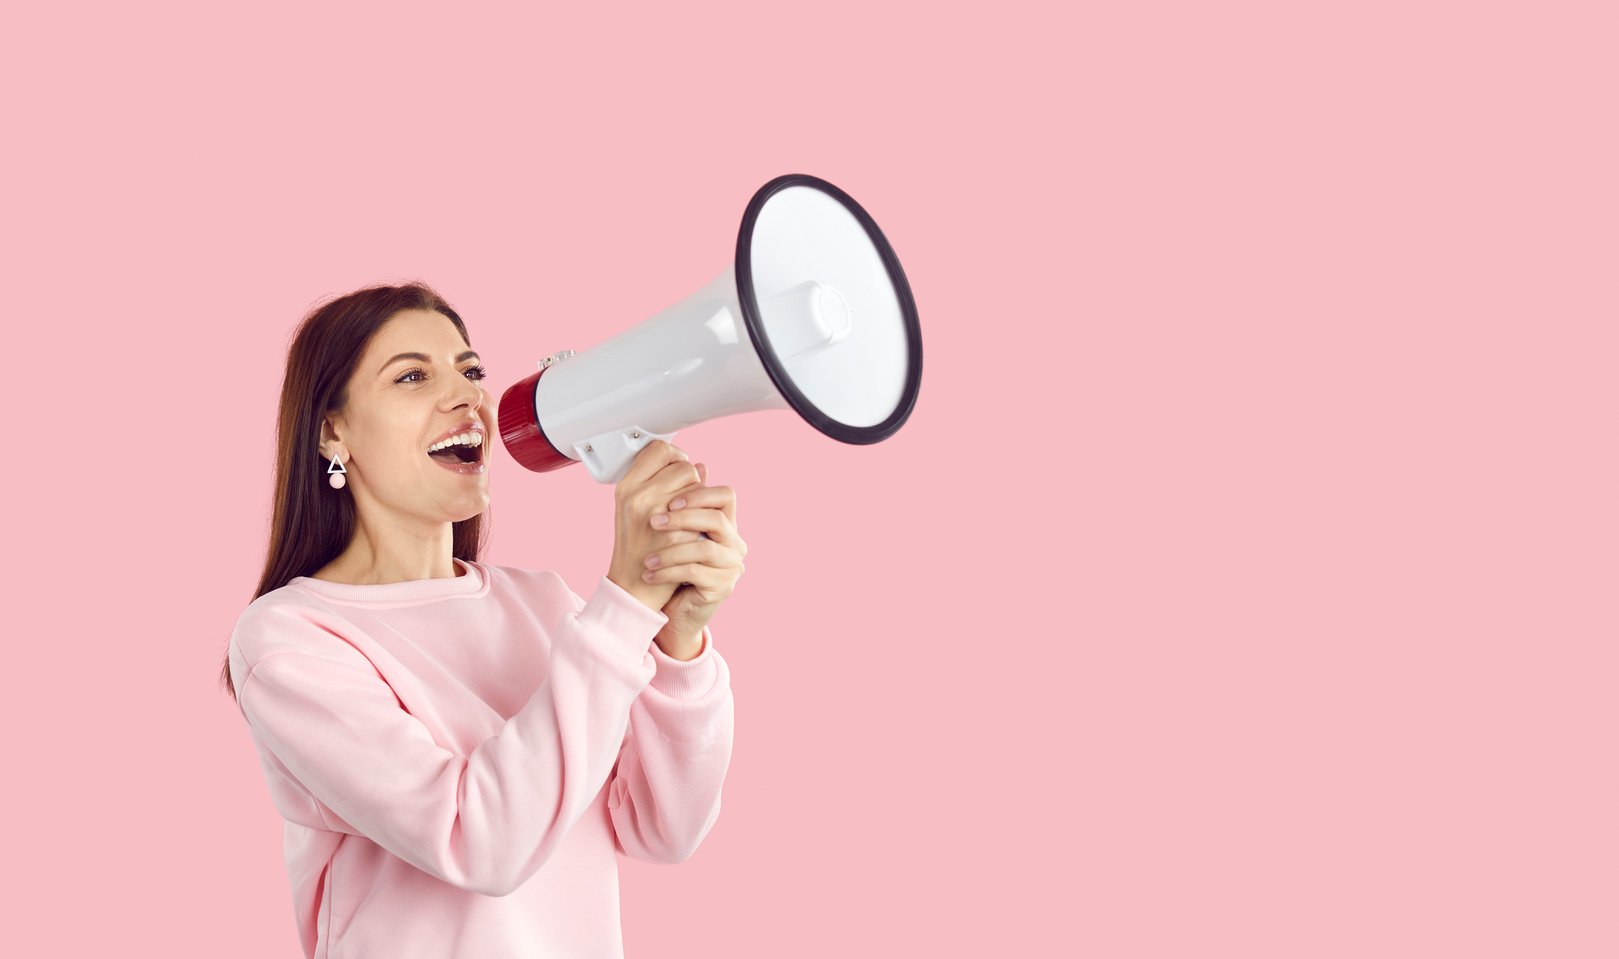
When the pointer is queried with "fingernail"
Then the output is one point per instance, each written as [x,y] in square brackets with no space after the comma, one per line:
[678,503]
[662,519]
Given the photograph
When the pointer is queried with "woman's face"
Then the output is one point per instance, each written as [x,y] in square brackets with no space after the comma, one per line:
[399,406]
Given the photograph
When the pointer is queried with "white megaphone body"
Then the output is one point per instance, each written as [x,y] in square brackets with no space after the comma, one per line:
[814,314]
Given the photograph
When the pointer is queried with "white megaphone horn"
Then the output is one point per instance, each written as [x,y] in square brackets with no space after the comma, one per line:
[814,314]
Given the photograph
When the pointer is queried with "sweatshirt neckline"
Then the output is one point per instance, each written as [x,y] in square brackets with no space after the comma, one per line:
[473,582]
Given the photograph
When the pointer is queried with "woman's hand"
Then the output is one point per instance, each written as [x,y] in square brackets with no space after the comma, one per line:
[661,472]
[707,568]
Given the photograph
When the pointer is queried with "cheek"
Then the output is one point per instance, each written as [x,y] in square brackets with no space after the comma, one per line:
[405,460]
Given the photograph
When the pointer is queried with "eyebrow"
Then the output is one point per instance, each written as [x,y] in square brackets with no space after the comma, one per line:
[424,358]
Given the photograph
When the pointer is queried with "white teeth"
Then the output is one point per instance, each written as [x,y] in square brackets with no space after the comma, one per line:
[464,439]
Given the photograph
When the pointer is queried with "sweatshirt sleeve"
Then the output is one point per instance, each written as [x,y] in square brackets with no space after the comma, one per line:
[484,822]
[665,792]
[664,795]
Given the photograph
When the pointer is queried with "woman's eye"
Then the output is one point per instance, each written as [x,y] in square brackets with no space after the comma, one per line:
[481,373]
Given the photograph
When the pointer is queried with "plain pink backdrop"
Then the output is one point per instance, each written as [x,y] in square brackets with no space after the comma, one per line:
[1242,585]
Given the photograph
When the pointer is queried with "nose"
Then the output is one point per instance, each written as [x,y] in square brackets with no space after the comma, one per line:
[469,393]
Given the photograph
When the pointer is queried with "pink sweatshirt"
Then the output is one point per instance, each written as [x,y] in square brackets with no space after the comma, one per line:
[460,760]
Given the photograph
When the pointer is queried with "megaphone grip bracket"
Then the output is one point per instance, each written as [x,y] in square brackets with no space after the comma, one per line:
[608,455]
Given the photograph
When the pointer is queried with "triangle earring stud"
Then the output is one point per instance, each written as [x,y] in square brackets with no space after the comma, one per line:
[336,474]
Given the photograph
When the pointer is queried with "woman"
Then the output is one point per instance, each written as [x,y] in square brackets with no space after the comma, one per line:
[460,750]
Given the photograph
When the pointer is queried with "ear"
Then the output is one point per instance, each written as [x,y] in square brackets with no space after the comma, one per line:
[329,440]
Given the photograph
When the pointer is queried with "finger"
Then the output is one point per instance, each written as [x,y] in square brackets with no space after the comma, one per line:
[711,521]
[662,540]
[695,574]
[689,488]
[706,552]
[651,459]
[711,584]
[722,498]
[673,479]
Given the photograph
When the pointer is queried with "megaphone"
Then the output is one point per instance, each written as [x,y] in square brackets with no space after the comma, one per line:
[813,314]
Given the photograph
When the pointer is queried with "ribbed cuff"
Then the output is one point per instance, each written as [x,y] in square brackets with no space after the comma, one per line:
[626,623]
[688,678]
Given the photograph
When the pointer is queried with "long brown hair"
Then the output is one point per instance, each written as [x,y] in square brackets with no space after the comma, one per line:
[312,523]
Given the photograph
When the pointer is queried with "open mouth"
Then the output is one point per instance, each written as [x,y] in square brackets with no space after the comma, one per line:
[460,455]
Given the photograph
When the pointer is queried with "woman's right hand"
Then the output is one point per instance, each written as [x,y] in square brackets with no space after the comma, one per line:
[660,472]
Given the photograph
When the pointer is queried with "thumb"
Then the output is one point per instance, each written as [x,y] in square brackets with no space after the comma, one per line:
[702,473]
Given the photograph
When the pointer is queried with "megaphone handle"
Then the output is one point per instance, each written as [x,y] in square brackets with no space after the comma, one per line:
[608,456]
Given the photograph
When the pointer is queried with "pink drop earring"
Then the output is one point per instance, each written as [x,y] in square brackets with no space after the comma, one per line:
[336,474]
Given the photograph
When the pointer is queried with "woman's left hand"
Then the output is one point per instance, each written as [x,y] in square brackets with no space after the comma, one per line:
[708,568]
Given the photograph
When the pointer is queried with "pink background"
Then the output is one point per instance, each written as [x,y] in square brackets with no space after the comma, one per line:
[1243,583]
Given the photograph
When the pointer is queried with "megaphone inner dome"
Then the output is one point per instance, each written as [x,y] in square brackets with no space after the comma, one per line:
[832,317]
